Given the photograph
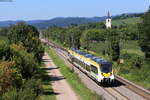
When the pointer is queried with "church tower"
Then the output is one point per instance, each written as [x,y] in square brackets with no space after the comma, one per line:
[108,21]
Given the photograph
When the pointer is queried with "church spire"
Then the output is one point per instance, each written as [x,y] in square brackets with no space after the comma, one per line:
[108,15]
[108,21]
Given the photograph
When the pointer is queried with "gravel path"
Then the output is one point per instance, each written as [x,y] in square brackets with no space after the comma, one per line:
[59,84]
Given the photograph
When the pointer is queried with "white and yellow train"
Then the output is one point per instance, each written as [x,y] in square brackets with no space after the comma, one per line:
[96,67]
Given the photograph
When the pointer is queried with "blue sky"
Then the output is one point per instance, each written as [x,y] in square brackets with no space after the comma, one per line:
[47,9]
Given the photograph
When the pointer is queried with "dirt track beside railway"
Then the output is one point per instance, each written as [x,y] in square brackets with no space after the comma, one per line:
[60,86]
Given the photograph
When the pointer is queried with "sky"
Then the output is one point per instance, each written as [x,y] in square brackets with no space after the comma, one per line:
[48,9]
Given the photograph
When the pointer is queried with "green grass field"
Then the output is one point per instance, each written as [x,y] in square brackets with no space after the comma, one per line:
[3,38]
[80,89]
[129,47]
[127,21]
[130,51]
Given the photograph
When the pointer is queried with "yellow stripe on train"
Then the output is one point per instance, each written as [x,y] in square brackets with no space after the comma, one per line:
[92,62]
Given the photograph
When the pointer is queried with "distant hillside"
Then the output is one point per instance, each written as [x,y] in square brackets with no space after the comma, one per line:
[68,21]
[62,22]
[8,23]
[126,21]
[127,18]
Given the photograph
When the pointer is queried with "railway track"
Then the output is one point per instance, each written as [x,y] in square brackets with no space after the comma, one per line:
[112,91]
[125,91]
[137,89]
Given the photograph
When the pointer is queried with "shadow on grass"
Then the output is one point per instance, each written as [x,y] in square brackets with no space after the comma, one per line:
[47,88]
[47,80]
[50,78]
[46,69]
[50,92]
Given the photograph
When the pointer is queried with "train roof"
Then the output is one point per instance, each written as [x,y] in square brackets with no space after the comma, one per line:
[94,58]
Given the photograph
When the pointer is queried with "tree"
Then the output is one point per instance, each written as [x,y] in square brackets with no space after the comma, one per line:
[25,62]
[85,39]
[114,39]
[75,34]
[4,50]
[28,36]
[3,31]
[92,36]
[144,33]
[22,33]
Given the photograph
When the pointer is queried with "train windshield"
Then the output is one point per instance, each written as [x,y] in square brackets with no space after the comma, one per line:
[106,68]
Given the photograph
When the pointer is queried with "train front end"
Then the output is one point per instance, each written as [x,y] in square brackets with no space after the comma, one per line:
[107,75]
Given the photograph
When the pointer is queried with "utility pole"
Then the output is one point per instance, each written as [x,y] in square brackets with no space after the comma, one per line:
[72,39]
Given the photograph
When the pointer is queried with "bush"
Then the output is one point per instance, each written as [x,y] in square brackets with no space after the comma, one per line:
[29,91]
[22,94]
[35,85]
[4,47]
[25,62]
[8,76]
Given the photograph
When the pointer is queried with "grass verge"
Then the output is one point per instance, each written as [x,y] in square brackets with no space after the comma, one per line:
[80,89]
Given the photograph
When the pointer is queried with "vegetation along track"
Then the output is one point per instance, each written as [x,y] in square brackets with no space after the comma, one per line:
[122,90]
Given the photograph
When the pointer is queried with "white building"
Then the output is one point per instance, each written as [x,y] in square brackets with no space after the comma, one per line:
[108,21]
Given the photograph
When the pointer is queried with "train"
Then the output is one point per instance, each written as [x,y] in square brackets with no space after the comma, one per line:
[96,67]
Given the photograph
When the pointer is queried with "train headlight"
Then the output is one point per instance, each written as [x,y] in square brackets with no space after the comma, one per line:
[110,73]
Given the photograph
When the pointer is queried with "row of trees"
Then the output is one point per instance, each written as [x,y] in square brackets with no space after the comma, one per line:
[144,30]
[20,58]
[84,35]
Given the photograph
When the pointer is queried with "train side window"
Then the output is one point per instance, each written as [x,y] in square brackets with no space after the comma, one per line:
[94,69]
[88,68]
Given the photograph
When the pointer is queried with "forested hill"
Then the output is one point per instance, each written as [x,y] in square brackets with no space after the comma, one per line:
[67,21]
[60,21]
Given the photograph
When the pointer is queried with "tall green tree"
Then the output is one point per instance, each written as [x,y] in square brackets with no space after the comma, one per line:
[114,39]
[144,33]
[74,35]
[28,36]
[92,36]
